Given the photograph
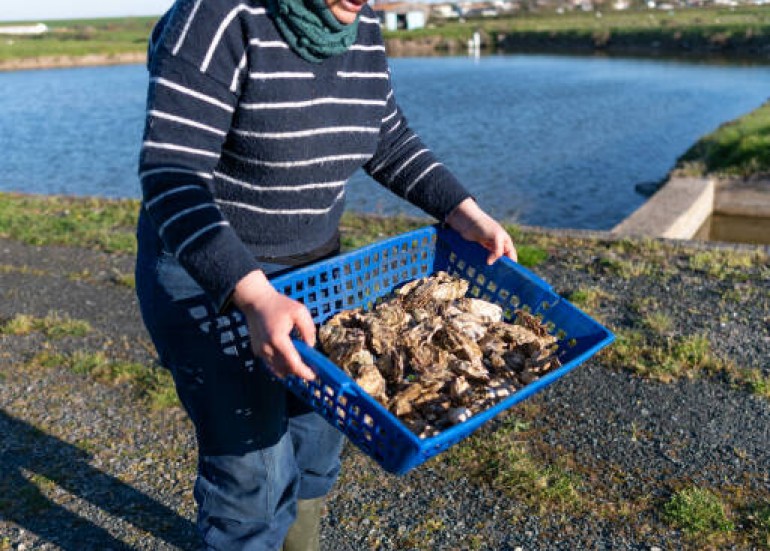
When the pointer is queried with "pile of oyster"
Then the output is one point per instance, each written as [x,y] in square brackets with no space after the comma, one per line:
[434,357]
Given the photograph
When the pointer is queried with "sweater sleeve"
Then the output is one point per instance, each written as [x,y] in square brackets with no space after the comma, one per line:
[404,165]
[194,65]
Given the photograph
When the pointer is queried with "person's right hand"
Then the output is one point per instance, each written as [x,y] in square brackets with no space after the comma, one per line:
[271,317]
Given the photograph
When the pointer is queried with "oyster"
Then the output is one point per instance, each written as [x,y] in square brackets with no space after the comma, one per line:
[433,356]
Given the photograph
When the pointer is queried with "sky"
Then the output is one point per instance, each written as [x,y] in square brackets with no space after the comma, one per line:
[39,10]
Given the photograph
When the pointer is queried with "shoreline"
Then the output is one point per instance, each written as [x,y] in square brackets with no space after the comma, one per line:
[60,62]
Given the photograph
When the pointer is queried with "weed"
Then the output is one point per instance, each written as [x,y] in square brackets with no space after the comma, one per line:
[758,521]
[752,379]
[589,298]
[24,270]
[626,269]
[697,511]
[663,359]
[659,322]
[124,280]
[151,383]
[501,461]
[54,326]
[723,264]
[531,255]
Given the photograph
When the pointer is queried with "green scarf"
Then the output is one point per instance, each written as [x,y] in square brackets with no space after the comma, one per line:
[311,29]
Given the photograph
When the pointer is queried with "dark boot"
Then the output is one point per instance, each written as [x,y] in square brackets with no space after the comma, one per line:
[305,533]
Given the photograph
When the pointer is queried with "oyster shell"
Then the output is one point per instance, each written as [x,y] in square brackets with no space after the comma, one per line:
[433,356]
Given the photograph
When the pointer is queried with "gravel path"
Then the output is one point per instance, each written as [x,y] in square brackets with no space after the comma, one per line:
[86,465]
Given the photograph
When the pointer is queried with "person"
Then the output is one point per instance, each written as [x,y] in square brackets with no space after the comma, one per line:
[258,112]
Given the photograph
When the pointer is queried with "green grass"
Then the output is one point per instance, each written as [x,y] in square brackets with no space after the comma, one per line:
[531,255]
[737,148]
[697,511]
[103,224]
[659,322]
[589,298]
[724,263]
[53,325]
[710,24]
[81,37]
[663,359]
[151,383]
[501,459]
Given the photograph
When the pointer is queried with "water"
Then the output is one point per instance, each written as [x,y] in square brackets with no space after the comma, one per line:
[546,140]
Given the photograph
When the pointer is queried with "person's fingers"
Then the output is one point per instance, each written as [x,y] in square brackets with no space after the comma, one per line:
[304,324]
[288,360]
[497,248]
[512,253]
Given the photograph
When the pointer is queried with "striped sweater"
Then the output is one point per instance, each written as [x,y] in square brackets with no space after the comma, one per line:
[247,147]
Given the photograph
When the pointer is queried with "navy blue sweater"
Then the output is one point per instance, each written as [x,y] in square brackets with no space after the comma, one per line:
[247,147]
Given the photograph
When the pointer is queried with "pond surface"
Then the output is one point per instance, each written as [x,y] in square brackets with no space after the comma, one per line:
[545,140]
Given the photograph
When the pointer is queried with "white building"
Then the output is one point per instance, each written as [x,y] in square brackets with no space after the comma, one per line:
[40,28]
[402,15]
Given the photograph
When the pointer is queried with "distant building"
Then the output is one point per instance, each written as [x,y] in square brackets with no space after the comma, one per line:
[480,9]
[40,28]
[396,16]
[445,10]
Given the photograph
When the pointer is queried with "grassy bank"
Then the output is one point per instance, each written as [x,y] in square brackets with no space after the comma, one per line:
[75,38]
[742,29]
[739,148]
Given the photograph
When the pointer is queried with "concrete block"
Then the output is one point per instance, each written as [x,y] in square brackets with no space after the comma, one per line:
[676,211]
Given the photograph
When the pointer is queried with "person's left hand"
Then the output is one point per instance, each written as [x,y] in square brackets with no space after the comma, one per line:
[476,225]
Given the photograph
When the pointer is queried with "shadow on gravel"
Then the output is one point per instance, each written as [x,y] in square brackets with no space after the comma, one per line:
[52,462]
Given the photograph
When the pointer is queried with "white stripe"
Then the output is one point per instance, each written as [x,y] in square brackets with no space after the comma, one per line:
[407,163]
[237,72]
[364,19]
[400,147]
[221,30]
[268,43]
[186,28]
[305,162]
[360,74]
[197,95]
[390,95]
[364,48]
[183,149]
[306,133]
[261,44]
[182,213]
[188,122]
[282,75]
[197,234]
[393,114]
[300,187]
[394,126]
[154,171]
[312,102]
[420,177]
[283,211]
[166,193]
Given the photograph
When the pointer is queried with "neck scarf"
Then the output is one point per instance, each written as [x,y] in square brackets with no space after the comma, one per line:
[311,29]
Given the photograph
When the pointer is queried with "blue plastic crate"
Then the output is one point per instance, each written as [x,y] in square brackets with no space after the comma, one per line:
[361,277]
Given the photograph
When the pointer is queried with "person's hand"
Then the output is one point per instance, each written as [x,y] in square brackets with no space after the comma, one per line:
[271,317]
[476,225]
